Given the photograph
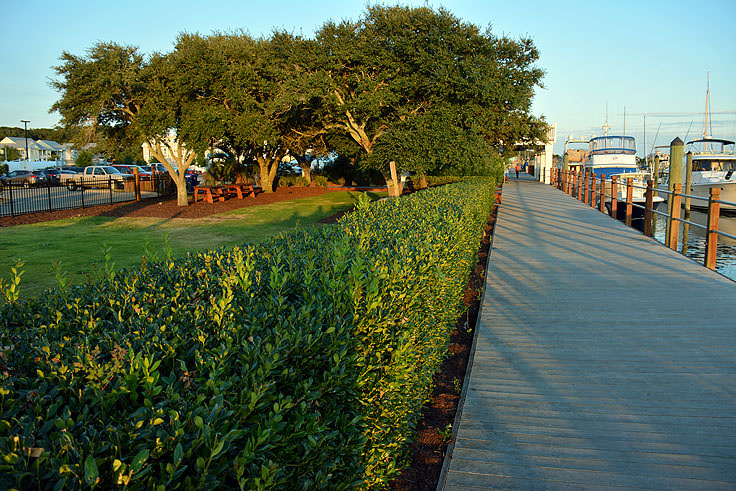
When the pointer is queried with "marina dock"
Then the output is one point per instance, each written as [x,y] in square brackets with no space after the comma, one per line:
[602,359]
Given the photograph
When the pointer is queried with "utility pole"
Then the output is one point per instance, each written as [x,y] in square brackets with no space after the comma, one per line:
[25,125]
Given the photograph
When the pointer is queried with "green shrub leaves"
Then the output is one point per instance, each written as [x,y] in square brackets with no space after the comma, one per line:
[299,363]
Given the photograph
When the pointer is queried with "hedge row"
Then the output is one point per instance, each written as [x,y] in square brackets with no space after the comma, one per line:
[299,363]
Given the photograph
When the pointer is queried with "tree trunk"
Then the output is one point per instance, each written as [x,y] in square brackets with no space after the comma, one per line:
[182,198]
[423,182]
[266,181]
[307,172]
[183,159]
[268,168]
[306,166]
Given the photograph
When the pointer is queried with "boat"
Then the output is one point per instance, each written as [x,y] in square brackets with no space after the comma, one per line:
[714,166]
[610,156]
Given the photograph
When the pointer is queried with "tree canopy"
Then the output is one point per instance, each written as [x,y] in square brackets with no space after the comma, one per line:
[413,85]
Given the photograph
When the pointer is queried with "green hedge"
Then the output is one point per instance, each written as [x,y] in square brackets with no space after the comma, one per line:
[289,181]
[299,363]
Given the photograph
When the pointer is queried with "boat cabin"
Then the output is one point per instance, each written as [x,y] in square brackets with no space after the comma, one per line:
[603,145]
[714,165]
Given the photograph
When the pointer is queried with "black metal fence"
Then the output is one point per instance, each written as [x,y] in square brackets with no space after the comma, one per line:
[82,193]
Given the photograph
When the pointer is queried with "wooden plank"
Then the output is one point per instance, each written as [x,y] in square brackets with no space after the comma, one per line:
[602,359]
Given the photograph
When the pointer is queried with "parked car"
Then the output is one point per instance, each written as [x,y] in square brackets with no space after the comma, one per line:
[96,176]
[128,169]
[191,176]
[56,175]
[157,167]
[25,178]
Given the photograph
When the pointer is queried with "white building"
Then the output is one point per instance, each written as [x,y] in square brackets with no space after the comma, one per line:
[540,153]
[21,143]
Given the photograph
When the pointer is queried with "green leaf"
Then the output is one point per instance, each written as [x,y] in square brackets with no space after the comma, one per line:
[91,473]
[139,460]
[218,448]
[178,454]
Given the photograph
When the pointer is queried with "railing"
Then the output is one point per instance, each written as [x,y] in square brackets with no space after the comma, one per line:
[583,186]
[86,192]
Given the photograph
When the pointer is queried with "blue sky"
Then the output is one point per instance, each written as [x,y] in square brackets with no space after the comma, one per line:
[641,57]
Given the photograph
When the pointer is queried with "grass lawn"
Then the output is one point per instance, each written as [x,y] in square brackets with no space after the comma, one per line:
[78,243]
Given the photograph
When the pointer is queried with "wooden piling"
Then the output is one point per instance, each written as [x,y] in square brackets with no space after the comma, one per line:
[592,190]
[629,199]
[137,184]
[673,222]
[614,197]
[394,178]
[711,237]
[676,149]
[649,210]
[603,194]
[688,186]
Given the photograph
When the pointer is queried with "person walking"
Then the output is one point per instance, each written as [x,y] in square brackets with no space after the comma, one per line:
[517,168]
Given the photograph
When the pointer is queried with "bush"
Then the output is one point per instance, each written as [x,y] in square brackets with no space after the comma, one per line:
[302,362]
[319,181]
[288,181]
[442,180]
[83,159]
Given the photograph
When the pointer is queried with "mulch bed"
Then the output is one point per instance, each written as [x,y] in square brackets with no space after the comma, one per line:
[428,451]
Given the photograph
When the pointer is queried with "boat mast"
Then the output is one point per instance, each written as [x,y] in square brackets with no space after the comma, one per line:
[624,120]
[707,109]
[605,127]
[646,157]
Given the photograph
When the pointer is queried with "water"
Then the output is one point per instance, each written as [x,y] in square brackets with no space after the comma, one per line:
[726,257]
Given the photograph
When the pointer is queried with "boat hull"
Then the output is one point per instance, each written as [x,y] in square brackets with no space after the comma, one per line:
[728,193]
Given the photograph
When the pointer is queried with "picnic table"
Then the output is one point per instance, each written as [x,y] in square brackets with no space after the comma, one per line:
[221,192]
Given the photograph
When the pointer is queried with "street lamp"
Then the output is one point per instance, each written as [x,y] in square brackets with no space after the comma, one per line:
[25,125]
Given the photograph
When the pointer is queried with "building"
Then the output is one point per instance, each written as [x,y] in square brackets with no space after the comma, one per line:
[539,154]
[38,150]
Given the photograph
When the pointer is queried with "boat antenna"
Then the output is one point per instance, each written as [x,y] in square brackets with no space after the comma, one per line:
[624,120]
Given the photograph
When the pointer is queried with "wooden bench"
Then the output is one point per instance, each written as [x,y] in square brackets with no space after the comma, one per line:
[210,193]
[241,190]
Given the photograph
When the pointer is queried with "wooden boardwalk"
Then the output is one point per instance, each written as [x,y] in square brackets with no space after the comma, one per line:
[602,359]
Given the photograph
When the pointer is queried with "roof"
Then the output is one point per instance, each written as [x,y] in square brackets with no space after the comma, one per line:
[49,145]
[17,141]
[712,140]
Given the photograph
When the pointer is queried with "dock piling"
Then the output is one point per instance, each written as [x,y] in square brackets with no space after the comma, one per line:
[711,237]
[688,182]
[629,198]
[676,155]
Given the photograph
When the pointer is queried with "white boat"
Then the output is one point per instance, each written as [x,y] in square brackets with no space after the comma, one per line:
[610,156]
[714,166]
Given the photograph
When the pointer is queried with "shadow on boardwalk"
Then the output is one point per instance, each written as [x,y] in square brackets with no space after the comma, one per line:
[602,359]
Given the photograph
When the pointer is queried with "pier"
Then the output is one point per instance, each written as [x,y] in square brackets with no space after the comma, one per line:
[602,359]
